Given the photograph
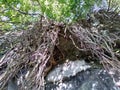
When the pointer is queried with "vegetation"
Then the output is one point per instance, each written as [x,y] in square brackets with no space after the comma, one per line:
[20,13]
[55,30]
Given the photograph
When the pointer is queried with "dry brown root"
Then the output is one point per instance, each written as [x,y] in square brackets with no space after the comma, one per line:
[35,49]
[100,46]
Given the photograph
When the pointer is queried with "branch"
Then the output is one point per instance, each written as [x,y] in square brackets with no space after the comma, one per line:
[22,12]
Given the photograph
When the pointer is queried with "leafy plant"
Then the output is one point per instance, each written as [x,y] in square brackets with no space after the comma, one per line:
[66,10]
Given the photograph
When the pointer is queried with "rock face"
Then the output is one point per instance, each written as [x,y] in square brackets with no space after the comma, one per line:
[75,75]
[12,85]
[66,70]
[79,79]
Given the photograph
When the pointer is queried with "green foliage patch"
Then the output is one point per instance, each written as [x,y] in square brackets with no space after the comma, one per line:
[66,10]
[17,13]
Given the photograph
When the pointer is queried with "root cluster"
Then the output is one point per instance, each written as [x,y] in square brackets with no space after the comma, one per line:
[43,44]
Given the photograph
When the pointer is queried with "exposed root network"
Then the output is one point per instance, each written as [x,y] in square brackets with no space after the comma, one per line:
[49,41]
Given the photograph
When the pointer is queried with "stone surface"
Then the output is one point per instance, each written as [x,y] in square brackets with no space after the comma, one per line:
[78,75]
[12,85]
[82,77]
[91,79]
[66,70]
